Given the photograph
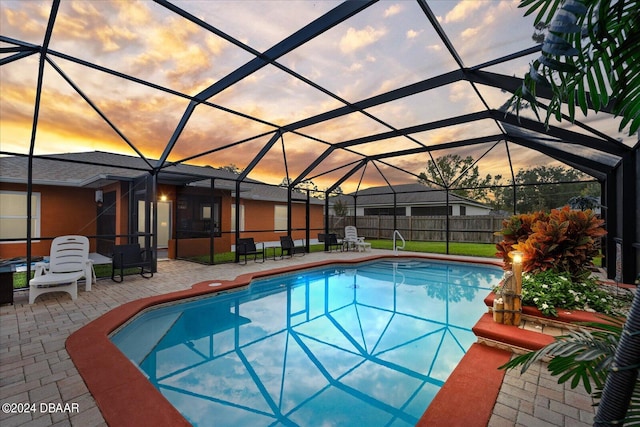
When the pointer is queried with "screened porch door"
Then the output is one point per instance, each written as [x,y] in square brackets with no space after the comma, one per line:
[164,222]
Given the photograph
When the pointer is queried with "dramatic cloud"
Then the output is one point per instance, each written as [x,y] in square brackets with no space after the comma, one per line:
[29,21]
[388,46]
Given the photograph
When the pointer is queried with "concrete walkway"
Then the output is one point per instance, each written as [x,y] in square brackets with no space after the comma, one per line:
[39,379]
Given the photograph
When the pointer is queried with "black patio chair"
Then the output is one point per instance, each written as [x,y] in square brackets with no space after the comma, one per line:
[289,247]
[330,241]
[131,256]
[246,246]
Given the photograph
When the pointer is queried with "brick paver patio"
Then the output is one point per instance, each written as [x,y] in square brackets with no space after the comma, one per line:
[35,368]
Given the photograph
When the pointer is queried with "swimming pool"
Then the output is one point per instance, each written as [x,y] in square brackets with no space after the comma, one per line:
[369,343]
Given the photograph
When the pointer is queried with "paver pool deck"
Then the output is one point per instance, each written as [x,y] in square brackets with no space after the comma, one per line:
[36,369]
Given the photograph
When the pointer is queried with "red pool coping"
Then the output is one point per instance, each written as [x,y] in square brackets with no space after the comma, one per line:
[468,396]
[126,397]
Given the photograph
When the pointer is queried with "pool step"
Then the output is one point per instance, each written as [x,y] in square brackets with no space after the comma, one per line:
[535,330]
[510,338]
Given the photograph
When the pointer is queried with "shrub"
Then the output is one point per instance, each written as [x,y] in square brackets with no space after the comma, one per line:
[548,290]
[564,240]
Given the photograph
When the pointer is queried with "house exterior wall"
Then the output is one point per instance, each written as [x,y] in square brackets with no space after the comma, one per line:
[63,211]
[474,210]
[122,209]
[260,220]
[72,210]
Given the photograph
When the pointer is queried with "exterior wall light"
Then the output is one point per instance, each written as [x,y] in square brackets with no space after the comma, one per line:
[99,197]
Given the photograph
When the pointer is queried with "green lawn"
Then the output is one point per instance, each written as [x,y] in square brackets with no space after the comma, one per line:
[487,250]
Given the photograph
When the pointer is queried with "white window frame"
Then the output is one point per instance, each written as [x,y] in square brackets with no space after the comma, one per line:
[233,217]
[280,224]
[36,216]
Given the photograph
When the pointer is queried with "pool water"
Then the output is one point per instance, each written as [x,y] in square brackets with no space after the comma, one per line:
[365,344]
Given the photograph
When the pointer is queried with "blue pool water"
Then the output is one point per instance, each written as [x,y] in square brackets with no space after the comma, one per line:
[367,344]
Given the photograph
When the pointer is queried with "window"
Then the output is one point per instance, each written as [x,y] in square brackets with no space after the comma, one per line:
[198,214]
[233,217]
[430,210]
[13,215]
[280,218]
[385,211]
[463,210]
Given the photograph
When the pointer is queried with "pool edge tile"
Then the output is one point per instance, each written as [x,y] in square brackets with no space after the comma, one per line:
[468,396]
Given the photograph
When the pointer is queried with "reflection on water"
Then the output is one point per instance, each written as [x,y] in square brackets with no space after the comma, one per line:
[342,346]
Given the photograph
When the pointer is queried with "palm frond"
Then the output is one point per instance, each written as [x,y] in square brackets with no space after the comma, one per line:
[582,356]
[589,59]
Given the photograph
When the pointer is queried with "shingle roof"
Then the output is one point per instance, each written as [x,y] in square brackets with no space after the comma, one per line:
[96,169]
[275,194]
[91,169]
[406,194]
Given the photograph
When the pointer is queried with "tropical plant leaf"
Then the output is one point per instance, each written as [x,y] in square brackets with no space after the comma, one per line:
[589,53]
[581,357]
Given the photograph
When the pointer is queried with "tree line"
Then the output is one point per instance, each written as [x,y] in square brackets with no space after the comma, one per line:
[537,188]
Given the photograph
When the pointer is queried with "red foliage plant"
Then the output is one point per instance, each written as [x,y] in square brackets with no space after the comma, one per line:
[563,240]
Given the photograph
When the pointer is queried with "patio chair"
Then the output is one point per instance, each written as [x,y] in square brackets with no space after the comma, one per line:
[288,246]
[68,262]
[330,241]
[131,256]
[246,246]
[353,241]
[351,238]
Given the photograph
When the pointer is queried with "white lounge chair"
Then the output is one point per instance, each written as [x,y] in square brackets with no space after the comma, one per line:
[353,241]
[68,262]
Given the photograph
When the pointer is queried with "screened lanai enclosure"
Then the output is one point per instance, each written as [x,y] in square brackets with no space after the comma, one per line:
[322,100]
[298,104]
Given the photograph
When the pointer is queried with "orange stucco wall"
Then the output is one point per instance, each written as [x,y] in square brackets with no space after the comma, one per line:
[63,210]
[70,210]
[259,220]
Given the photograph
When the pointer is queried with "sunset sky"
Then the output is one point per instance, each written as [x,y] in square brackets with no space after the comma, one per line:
[388,45]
